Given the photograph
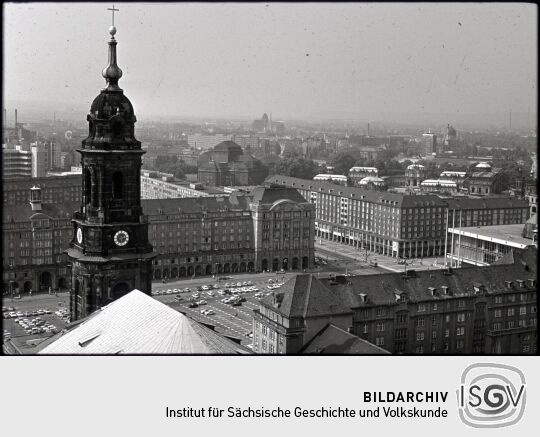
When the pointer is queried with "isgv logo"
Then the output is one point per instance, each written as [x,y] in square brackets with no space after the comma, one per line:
[491,395]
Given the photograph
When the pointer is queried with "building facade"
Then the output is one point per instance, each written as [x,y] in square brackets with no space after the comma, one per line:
[429,143]
[16,163]
[477,310]
[269,229]
[54,189]
[288,319]
[154,186]
[227,165]
[35,236]
[474,310]
[205,141]
[397,225]
[485,180]
[482,246]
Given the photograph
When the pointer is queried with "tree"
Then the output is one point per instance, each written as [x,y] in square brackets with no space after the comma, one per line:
[297,166]
[342,163]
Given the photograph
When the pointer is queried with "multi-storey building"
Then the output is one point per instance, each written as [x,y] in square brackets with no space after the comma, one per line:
[429,143]
[484,245]
[35,236]
[289,319]
[485,180]
[54,189]
[271,229]
[16,163]
[205,142]
[39,160]
[475,310]
[156,186]
[398,225]
[226,164]
[388,223]
[486,211]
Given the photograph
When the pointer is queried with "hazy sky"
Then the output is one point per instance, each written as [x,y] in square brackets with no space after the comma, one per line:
[292,60]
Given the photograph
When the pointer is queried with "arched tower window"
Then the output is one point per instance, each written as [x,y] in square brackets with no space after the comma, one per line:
[88,186]
[117,185]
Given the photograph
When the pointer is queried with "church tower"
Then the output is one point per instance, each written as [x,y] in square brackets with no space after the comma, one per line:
[110,252]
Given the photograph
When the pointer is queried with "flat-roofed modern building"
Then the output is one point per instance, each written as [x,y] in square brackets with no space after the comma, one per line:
[482,246]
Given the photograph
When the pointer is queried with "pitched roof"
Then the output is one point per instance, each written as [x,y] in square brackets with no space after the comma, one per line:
[356,192]
[228,146]
[334,340]
[485,203]
[306,296]
[138,324]
[194,204]
[273,194]
[22,212]
[382,289]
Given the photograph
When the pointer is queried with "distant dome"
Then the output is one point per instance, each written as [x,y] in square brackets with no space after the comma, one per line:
[228,146]
[484,165]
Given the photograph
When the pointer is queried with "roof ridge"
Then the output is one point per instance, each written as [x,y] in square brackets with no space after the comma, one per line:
[308,295]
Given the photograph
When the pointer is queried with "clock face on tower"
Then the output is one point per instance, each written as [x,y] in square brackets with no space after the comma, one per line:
[121,238]
[79,235]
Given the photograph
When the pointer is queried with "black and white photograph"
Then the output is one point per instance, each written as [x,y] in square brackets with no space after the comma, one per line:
[269,179]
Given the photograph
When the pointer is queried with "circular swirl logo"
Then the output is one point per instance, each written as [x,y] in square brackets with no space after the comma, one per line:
[491,395]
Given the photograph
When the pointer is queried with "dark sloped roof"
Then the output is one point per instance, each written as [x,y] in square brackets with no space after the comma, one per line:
[334,340]
[382,289]
[273,194]
[23,212]
[356,192]
[194,204]
[228,146]
[485,203]
[306,296]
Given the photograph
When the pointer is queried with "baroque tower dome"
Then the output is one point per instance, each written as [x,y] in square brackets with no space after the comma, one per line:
[112,118]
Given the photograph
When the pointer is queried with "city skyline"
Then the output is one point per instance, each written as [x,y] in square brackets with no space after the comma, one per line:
[231,60]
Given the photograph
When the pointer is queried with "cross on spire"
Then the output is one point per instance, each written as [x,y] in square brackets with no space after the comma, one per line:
[113,10]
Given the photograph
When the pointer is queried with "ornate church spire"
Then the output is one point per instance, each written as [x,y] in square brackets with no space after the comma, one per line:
[112,73]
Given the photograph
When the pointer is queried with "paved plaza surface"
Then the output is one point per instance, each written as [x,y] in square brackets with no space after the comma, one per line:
[363,259]
[235,321]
